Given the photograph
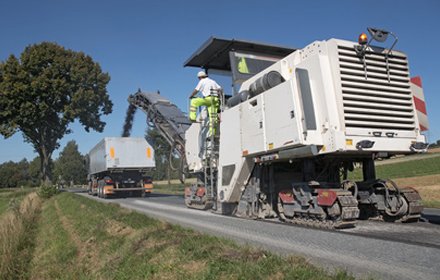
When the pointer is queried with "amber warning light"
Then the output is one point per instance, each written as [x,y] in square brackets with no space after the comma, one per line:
[363,39]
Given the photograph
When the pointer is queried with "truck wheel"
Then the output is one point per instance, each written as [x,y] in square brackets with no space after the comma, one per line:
[143,194]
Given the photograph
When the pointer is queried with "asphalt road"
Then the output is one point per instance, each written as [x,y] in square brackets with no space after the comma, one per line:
[372,249]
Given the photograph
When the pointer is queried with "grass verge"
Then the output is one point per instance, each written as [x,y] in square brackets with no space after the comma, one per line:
[17,229]
[10,198]
[103,241]
[177,189]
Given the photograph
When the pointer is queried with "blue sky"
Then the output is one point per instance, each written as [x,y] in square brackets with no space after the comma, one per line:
[143,44]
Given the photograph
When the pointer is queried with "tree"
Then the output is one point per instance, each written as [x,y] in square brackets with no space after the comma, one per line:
[34,171]
[14,174]
[22,173]
[7,172]
[45,90]
[70,165]
[161,152]
[161,155]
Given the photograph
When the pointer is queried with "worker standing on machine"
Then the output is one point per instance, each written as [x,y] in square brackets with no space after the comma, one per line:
[210,91]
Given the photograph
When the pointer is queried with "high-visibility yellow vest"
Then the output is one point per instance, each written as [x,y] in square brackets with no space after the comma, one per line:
[242,66]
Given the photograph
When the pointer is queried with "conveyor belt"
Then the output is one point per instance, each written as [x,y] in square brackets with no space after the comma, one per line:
[166,117]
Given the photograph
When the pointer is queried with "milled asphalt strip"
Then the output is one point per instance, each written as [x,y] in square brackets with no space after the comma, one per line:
[362,256]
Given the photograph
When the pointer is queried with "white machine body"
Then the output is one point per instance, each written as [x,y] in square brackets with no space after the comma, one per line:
[328,103]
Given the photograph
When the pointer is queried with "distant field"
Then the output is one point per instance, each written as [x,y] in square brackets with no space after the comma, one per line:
[420,171]
[428,187]
[405,169]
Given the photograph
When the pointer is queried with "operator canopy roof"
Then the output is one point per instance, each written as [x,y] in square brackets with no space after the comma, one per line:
[214,53]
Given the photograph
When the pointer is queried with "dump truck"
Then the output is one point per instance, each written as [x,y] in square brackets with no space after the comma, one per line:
[299,121]
[118,167]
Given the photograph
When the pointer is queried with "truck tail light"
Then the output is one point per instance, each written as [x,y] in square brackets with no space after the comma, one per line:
[148,180]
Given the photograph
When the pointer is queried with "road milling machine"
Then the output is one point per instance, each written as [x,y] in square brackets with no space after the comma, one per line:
[296,126]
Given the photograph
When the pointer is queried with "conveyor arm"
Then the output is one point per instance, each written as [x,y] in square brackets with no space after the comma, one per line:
[165,116]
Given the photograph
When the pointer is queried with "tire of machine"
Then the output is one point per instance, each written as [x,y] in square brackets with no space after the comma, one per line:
[391,217]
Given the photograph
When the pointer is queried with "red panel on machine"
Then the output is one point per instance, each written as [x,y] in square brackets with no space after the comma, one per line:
[326,197]
[200,191]
[286,196]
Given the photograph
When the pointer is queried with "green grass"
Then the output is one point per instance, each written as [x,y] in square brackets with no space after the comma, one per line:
[431,203]
[407,169]
[80,238]
[414,168]
[11,197]
[18,228]
[54,246]
[177,189]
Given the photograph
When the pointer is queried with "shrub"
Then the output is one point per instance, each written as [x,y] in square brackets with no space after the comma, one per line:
[47,191]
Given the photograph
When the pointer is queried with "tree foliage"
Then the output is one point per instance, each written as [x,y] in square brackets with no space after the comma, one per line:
[34,171]
[15,174]
[70,166]
[161,156]
[45,90]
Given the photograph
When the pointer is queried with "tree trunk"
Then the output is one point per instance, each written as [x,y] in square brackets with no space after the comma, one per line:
[169,174]
[45,165]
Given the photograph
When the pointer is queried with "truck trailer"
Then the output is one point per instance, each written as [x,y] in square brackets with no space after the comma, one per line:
[298,122]
[118,166]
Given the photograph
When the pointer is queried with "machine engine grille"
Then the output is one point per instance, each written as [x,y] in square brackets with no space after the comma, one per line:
[376,92]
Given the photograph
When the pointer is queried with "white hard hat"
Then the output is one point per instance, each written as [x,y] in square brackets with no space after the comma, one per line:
[201,74]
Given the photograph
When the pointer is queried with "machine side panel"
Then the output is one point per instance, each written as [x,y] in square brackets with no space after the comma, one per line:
[314,99]
[252,122]
[230,154]
[193,148]
[328,132]
[281,117]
